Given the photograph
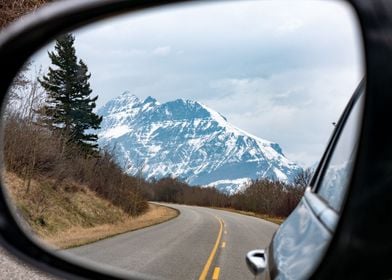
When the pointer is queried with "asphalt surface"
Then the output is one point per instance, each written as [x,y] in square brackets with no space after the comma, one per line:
[200,242]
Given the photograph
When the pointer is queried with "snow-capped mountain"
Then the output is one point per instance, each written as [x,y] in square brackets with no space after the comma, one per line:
[187,140]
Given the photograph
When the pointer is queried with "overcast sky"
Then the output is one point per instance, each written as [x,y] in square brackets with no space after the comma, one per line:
[281,70]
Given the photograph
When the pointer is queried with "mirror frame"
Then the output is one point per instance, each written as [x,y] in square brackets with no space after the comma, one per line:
[345,256]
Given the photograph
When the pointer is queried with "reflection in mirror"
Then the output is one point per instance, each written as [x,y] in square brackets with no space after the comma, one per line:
[332,187]
[115,132]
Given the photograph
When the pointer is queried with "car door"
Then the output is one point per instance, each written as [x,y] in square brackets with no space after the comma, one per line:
[299,245]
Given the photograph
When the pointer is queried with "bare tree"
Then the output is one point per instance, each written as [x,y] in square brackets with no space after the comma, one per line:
[25,97]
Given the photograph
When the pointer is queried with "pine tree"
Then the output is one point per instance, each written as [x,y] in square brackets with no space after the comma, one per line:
[69,105]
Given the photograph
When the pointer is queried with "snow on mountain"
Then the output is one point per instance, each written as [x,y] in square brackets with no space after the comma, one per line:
[188,140]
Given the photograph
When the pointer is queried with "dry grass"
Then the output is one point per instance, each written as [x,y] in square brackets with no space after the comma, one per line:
[70,214]
[10,10]
[276,220]
[77,236]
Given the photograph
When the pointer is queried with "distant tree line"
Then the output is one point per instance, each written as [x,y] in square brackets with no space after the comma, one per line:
[272,198]
[262,196]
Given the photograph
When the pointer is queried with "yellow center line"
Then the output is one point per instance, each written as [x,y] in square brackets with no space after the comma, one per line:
[206,268]
[223,244]
[215,275]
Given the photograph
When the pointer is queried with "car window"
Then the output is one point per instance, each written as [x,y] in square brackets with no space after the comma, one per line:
[335,181]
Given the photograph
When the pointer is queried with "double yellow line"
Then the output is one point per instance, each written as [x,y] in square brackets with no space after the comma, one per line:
[207,266]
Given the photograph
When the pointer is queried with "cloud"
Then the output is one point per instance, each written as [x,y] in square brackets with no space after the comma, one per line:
[295,108]
[282,70]
[162,51]
[290,26]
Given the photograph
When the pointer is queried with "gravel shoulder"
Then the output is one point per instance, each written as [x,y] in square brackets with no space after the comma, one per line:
[11,268]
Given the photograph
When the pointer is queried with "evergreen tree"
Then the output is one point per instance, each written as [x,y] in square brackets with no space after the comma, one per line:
[69,105]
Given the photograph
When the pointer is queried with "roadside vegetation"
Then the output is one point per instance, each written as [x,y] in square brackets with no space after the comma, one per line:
[49,125]
[271,200]
[11,10]
[72,214]
[58,177]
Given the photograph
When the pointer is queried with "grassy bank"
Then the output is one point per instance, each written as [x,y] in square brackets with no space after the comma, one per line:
[78,236]
[66,215]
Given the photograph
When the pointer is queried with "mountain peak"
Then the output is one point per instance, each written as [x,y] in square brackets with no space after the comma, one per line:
[127,92]
[127,95]
[150,99]
[188,140]
[186,102]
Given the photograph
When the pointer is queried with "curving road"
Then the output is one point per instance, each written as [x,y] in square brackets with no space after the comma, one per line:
[201,243]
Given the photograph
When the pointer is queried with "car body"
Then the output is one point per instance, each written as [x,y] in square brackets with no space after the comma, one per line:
[322,239]
[300,242]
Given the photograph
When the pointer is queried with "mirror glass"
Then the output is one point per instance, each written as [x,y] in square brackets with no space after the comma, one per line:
[115,134]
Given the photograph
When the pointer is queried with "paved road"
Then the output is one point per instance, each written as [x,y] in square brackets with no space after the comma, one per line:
[200,242]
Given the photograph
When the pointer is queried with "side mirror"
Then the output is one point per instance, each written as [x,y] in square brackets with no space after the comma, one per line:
[256,261]
[226,76]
